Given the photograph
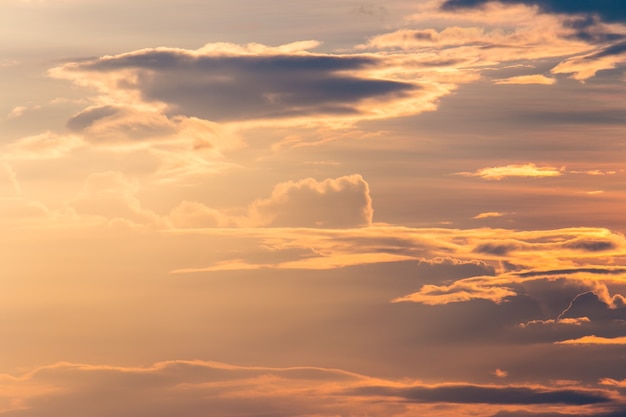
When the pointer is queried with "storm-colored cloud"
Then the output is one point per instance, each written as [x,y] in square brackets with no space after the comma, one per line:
[489,395]
[607,9]
[227,83]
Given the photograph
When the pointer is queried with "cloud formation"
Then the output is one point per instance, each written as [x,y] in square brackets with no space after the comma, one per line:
[231,83]
[196,388]
[514,170]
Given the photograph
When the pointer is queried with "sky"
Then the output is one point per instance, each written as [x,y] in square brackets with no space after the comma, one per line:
[312,209]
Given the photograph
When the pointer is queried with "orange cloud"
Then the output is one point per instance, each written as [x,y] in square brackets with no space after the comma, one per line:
[594,340]
[193,387]
[527,170]
[527,79]
[488,214]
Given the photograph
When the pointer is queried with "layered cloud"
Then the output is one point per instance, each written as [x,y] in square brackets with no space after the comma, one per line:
[196,388]
[607,10]
[484,33]
[231,83]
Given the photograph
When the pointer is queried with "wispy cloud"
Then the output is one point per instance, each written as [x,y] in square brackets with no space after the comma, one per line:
[514,170]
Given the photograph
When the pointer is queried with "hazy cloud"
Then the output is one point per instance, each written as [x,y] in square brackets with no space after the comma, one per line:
[340,202]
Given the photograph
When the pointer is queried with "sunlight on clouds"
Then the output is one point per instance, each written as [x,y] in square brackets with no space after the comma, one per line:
[192,386]
[256,84]
[527,79]
[256,189]
[43,146]
[527,170]
[595,340]
[488,214]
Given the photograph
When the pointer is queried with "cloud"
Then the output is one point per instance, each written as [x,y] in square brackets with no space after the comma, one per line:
[339,202]
[472,394]
[590,245]
[481,35]
[110,195]
[606,9]
[527,79]
[475,288]
[527,170]
[47,145]
[193,387]
[594,340]
[585,66]
[488,215]
[578,321]
[189,214]
[9,186]
[231,83]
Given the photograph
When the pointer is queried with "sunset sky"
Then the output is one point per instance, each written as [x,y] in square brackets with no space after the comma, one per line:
[328,208]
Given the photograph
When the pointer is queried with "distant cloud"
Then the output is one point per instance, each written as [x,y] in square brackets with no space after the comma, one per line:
[527,79]
[471,394]
[488,215]
[595,340]
[340,202]
[565,321]
[193,387]
[9,186]
[527,170]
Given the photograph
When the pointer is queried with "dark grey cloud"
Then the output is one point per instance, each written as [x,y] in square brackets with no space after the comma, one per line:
[587,28]
[619,411]
[223,88]
[498,249]
[608,10]
[616,49]
[569,271]
[589,305]
[474,394]
[590,245]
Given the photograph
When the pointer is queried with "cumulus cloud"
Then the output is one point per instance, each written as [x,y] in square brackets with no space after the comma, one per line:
[338,202]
